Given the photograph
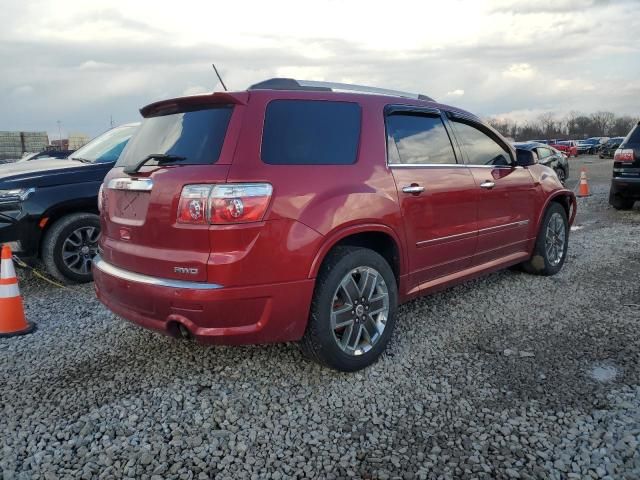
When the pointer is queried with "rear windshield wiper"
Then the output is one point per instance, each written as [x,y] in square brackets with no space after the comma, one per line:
[160,157]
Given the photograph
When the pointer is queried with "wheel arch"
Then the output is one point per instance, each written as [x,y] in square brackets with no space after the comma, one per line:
[380,238]
[61,210]
[566,199]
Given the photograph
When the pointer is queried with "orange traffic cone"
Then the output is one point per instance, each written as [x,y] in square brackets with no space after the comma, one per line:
[584,184]
[12,320]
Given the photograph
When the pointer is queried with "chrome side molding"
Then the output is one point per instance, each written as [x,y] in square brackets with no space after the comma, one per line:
[132,184]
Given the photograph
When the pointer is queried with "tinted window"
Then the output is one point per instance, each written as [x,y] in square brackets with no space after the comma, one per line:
[308,132]
[418,139]
[195,135]
[479,147]
[634,136]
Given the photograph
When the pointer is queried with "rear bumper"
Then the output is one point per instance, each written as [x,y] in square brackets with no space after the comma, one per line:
[625,187]
[211,313]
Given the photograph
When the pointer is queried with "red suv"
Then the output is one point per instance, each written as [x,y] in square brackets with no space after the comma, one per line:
[568,147]
[308,211]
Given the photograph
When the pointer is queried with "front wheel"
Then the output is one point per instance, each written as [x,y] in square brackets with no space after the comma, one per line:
[551,246]
[69,246]
[562,176]
[353,310]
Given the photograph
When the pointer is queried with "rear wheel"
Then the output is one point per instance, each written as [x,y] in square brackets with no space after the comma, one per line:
[550,250]
[353,310]
[621,203]
[69,247]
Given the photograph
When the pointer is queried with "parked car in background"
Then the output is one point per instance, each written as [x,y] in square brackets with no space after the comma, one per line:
[286,213]
[545,142]
[569,147]
[48,208]
[549,157]
[591,145]
[46,154]
[625,184]
[609,148]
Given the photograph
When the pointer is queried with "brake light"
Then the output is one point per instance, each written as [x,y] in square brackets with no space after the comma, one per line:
[224,204]
[193,204]
[626,155]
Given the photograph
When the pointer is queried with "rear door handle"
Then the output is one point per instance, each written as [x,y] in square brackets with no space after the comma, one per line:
[413,189]
[488,184]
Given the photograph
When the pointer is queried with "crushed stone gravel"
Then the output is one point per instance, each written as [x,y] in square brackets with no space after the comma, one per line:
[508,376]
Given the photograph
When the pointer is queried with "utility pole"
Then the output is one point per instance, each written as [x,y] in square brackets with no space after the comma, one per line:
[111,120]
[59,134]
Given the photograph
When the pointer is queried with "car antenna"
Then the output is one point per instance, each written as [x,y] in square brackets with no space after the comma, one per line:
[219,77]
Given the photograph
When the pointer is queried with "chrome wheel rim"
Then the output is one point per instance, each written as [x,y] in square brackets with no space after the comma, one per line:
[561,175]
[555,239]
[359,310]
[79,248]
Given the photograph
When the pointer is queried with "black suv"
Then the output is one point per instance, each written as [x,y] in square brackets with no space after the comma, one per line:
[48,208]
[625,185]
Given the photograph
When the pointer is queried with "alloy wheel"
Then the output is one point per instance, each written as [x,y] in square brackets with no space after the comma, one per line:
[555,239]
[359,311]
[79,248]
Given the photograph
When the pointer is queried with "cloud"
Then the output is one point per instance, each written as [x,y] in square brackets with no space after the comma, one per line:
[519,71]
[82,63]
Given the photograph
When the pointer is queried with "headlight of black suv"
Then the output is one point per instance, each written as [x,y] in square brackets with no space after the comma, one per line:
[15,195]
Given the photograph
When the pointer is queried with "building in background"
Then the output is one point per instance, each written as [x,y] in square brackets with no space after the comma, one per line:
[77,140]
[13,145]
[60,144]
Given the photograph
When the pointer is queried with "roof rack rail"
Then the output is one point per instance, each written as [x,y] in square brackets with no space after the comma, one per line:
[311,85]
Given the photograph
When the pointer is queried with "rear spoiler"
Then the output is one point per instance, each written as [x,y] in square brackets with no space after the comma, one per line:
[174,105]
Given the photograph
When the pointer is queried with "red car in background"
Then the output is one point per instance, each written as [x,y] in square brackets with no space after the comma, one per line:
[293,212]
[568,147]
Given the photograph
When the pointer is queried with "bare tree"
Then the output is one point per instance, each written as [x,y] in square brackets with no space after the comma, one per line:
[548,123]
[603,122]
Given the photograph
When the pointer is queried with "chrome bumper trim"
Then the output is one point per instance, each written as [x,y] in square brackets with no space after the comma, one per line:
[109,269]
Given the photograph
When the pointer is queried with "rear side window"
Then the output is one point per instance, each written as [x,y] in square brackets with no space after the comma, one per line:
[196,135]
[480,148]
[415,139]
[311,132]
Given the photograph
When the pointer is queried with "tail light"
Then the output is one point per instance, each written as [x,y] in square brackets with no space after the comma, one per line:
[224,204]
[101,198]
[624,155]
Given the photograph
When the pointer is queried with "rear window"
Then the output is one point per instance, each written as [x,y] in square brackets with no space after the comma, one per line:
[196,135]
[634,136]
[310,132]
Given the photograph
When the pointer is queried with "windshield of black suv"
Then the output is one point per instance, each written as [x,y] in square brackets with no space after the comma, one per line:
[105,148]
[195,137]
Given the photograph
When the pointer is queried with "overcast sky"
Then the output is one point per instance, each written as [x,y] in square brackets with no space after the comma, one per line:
[82,61]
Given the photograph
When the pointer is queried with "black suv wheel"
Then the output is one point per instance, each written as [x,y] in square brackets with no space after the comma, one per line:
[70,245]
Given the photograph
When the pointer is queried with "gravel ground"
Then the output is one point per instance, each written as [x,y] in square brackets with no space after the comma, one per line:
[509,376]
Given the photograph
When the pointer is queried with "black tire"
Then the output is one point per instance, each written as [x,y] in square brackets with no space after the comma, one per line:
[539,263]
[562,175]
[621,203]
[319,342]
[53,244]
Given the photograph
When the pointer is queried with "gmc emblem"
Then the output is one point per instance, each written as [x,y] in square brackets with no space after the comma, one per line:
[185,270]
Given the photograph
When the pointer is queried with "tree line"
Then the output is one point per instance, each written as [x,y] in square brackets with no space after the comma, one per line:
[572,126]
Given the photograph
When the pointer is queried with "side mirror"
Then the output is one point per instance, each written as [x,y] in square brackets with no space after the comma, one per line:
[525,158]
